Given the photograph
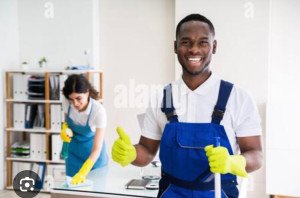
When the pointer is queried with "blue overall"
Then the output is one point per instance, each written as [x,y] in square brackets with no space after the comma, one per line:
[81,146]
[185,168]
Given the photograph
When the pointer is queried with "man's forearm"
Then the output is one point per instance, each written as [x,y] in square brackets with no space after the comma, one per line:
[254,160]
[144,157]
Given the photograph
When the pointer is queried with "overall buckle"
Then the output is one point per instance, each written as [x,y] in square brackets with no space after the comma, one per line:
[218,113]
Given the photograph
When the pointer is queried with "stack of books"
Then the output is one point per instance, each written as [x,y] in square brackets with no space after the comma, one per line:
[20,149]
[36,88]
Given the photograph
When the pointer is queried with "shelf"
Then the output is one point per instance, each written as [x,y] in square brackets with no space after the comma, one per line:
[34,101]
[38,71]
[42,130]
[92,76]
[11,188]
[34,160]
[38,101]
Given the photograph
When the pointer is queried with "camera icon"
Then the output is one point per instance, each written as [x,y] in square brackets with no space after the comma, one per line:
[26,184]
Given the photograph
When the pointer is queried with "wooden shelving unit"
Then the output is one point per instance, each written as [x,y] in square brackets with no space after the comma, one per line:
[34,160]
[47,130]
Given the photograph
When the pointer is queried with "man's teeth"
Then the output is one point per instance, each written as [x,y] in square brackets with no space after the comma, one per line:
[195,59]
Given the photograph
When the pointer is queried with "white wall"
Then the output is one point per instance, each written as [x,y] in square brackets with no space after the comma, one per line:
[9,33]
[136,45]
[282,145]
[9,59]
[59,30]
[242,53]
[136,39]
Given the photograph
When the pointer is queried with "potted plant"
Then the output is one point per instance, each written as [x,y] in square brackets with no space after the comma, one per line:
[43,63]
[24,65]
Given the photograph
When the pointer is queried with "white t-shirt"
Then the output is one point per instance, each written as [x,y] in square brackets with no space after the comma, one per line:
[97,117]
[241,118]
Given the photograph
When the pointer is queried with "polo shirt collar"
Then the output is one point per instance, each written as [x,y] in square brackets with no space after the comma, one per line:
[202,89]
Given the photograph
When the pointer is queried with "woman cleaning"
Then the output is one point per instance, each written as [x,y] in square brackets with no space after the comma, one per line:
[86,118]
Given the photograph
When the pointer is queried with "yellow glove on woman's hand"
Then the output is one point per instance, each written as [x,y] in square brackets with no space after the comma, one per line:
[82,173]
[122,151]
[66,133]
[221,162]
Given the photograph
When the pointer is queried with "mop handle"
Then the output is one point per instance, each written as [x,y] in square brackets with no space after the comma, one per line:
[217,175]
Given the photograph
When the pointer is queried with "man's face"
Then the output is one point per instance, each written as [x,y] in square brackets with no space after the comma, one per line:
[194,47]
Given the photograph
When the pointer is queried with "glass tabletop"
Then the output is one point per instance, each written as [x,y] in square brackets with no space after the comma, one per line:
[112,180]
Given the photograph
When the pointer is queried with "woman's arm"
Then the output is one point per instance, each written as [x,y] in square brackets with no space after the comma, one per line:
[97,146]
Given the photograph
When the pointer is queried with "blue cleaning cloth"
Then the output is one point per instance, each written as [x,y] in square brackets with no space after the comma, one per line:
[86,183]
[81,67]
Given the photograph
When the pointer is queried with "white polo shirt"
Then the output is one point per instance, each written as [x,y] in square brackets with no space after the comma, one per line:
[241,118]
[98,115]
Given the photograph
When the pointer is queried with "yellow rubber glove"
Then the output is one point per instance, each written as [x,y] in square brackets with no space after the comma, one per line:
[221,162]
[122,151]
[66,133]
[82,173]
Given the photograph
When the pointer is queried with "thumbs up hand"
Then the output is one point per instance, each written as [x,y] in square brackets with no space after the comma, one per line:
[122,151]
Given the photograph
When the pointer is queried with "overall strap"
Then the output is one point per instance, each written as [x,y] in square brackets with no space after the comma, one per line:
[167,104]
[69,109]
[87,122]
[219,110]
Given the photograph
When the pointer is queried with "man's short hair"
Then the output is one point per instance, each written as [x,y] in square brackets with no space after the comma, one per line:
[195,17]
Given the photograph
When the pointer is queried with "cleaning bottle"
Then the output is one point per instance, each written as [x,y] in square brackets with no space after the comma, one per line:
[66,135]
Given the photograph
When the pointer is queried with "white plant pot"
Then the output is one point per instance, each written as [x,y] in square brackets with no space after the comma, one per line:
[43,65]
[25,67]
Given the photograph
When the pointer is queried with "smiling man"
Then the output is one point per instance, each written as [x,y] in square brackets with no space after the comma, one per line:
[188,114]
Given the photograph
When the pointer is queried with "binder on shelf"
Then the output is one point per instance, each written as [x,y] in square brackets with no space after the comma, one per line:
[20,166]
[55,116]
[27,117]
[15,116]
[31,112]
[39,169]
[19,116]
[39,120]
[54,87]
[56,145]
[20,86]
[15,169]
[24,91]
[33,145]
[43,143]
[16,89]
[38,146]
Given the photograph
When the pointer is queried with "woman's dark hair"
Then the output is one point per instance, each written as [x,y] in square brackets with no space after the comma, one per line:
[79,84]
